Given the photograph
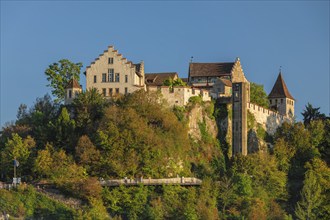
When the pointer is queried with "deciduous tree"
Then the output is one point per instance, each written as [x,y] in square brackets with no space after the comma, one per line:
[59,74]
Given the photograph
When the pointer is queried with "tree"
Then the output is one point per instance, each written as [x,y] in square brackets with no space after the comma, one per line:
[59,74]
[64,129]
[311,197]
[87,154]
[258,95]
[88,109]
[174,82]
[311,114]
[16,148]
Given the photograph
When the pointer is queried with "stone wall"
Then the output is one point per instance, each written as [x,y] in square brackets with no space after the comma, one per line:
[270,120]
[180,95]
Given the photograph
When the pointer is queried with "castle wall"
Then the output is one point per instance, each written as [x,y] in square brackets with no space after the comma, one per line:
[270,120]
[180,95]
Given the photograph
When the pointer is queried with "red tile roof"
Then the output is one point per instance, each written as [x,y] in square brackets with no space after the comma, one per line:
[73,83]
[280,89]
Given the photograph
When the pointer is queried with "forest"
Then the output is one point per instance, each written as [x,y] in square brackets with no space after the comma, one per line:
[70,147]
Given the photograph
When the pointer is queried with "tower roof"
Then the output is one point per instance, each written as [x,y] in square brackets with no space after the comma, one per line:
[73,83]
[280,89]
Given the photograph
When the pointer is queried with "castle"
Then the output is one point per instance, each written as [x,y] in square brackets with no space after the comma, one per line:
[112,74]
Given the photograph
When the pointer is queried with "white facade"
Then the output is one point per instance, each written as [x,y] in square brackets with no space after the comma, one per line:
[111,74]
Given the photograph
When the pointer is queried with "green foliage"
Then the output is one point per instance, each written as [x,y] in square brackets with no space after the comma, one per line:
[63,129]
[195,100]
[59,74]
[311,198]
[88,108]
[206,136]
[19,149]
[176,82]
[26,202]
[311,114]
[251,121]
[127,202]
[58,167]
[209,109]
[87,155]
[137,136]
[180,112]
[258,95]
[315,193]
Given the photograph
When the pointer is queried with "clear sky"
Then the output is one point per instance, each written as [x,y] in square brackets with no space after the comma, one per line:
[265,35]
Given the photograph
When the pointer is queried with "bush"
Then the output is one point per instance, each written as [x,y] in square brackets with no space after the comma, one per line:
[196,100]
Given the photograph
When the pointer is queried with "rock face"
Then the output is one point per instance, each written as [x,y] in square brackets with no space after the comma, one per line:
[198,115]
[221,128]
[255,144]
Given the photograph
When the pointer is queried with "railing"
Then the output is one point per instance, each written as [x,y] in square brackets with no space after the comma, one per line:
[184,181]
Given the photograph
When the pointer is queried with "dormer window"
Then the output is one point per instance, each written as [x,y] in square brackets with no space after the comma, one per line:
[110,60]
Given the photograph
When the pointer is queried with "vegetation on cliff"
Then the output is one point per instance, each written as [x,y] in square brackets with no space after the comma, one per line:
[71,147]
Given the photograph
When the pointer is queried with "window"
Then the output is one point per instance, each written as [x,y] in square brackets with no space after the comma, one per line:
[126,78]
[117,77]
[110,60]
[94,79]
[104,92]
[104,77]
[110,92]
[70,94]
[110,76]
[281,101]
[275,101]
[126,90]
[270,101]
[117,90]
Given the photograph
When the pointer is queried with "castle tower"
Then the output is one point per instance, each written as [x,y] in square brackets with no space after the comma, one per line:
[280,98]
[239,126]
[240,99]
[71,91]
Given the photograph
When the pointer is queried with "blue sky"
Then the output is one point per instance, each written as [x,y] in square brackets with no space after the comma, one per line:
[265,35]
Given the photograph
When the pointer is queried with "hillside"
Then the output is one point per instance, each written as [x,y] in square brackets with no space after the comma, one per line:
[71,147]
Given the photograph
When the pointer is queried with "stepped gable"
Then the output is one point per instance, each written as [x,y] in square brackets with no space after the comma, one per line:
[157,79]
[111,48]
[280,90]
[210,69]
[73,83]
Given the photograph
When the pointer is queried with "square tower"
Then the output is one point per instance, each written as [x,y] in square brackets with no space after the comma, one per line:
[239,120]
[280,98]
